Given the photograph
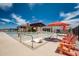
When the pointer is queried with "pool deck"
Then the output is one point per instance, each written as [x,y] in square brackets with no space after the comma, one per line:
[12,47]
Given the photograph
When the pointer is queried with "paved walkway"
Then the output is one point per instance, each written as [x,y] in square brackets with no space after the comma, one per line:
[11,47]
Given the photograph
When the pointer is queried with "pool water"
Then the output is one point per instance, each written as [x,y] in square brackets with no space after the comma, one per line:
[26,37]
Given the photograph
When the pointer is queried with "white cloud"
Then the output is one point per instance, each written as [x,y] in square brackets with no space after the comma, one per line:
[28,22]
[6,20]
[19,19]
[5,6]
[62,14]
[2,22]
[70,15]
[31,5]
[73,22]
[34,18]
[69,18]
[40,20]
[77,7]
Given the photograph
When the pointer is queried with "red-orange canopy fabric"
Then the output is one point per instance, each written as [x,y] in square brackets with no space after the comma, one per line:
[59,24]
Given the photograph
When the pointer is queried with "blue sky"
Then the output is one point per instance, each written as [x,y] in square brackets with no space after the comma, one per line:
[12,15]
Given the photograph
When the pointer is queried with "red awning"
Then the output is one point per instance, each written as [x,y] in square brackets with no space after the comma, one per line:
[58,24]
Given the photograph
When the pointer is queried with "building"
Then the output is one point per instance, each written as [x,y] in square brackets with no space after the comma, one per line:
[37,26]
[23,28]
[76,31]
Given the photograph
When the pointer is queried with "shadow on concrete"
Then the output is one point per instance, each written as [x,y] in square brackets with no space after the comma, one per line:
[52,39]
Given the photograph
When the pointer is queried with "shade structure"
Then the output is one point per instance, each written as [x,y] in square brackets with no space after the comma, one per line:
[64,25]
[58,24]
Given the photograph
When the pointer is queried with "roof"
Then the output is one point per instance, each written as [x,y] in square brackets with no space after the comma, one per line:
[37,24]
[58,24]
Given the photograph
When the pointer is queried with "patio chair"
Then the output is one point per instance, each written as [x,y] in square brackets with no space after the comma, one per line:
[70,52]
[67,46]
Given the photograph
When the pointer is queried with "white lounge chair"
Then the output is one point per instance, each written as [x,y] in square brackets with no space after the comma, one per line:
[39,39]
[54,35]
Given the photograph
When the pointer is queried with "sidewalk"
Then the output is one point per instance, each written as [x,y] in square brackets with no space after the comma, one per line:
[11,47]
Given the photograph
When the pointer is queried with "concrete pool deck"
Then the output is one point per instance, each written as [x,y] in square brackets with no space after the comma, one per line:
[12,47]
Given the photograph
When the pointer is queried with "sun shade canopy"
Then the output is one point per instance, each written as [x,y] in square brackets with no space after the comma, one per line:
[58,24]
[64,25]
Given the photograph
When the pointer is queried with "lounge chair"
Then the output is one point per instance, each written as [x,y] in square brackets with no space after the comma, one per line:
[70,52]
[67,46]
[38,40]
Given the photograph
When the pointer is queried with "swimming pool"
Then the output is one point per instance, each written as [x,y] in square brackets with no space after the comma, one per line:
[27,37]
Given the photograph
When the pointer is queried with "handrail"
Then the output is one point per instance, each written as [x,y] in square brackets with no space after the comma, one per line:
[32,40]
[19,35]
